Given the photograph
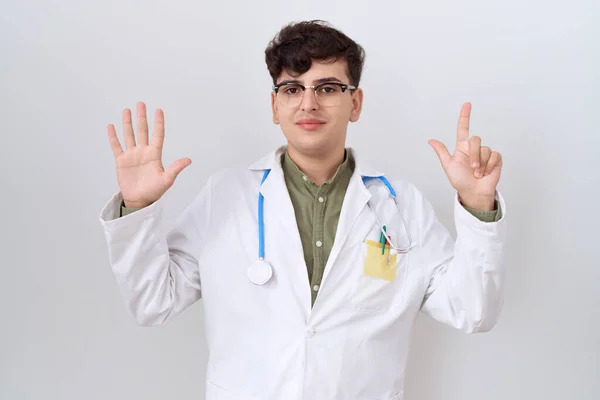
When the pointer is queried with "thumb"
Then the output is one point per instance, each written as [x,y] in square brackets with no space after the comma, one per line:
[173,171]
[441,151]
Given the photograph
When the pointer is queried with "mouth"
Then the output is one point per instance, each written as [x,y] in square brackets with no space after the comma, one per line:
[310,124]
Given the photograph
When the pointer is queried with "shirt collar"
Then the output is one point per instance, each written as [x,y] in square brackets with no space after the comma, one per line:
[273,161]
[290,169]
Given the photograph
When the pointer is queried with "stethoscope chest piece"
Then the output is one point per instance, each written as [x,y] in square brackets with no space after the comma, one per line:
[260,272]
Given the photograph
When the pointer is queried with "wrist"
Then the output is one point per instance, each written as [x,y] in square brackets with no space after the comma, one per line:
[130,204]
[477,202]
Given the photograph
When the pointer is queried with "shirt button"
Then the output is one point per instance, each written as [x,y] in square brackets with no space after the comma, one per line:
[304,177]
[309,332]
[316,288]
[319,243]
[321,199]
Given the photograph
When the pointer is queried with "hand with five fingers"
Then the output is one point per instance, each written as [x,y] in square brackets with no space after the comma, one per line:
[140,173]
[473,170]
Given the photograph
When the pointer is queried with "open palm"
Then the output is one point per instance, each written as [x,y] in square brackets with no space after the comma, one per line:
[140,173]
[473,170]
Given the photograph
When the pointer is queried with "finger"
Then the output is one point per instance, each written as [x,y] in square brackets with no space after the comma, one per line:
[441,151]
[142,124]
[475,152]
[494,162]
[486,152]
[128,129]
[462,132]
[115,145]
[158,136]
[174,170]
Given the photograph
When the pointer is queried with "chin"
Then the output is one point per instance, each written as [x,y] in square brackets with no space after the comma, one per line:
[310,142]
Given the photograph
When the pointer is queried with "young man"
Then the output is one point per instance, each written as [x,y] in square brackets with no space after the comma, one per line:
[311,271]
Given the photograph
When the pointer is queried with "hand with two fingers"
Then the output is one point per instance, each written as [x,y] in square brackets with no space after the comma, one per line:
[473,170]
[140,173]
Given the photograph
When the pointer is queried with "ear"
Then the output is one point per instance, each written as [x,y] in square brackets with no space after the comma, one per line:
[357,102]
[274,108]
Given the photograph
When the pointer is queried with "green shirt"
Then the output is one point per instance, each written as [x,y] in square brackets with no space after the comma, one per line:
[317,210]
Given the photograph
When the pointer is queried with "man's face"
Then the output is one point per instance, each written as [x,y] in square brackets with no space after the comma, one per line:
[314,127]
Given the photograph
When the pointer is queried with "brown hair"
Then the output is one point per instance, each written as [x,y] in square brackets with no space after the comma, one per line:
[295,47]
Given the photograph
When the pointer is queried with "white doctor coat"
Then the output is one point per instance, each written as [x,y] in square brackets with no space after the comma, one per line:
[267,342]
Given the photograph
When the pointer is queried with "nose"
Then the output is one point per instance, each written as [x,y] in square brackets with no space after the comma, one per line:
[309,101]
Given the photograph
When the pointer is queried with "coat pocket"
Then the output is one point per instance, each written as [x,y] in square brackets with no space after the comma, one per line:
[379,277]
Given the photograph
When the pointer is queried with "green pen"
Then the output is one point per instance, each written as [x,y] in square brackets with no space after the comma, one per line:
[383,240]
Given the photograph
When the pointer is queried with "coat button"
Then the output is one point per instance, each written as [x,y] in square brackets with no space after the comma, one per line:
[309,332]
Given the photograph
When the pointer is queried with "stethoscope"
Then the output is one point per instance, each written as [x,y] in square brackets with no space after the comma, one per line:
[260,272]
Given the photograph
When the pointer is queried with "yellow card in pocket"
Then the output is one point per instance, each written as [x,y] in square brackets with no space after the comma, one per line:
[376,264]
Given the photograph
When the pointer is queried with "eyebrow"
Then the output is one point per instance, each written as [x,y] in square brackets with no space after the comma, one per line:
[315,82]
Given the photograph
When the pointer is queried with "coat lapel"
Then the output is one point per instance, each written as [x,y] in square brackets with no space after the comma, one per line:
[283,246]
[355,203]
[279,210]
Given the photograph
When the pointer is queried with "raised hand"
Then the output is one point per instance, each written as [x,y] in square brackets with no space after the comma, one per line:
[473,170]
[140,173]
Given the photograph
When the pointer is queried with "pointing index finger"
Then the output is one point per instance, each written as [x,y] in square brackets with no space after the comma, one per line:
[462,132]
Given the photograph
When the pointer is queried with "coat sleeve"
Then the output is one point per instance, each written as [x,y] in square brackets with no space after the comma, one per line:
[157,272]
[465,283]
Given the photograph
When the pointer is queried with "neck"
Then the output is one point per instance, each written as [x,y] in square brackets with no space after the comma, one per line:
[319,169]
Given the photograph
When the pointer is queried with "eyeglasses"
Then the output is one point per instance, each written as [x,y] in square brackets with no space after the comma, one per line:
[329,94]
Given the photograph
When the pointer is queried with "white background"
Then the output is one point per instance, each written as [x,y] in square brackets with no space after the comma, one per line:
[68,68]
